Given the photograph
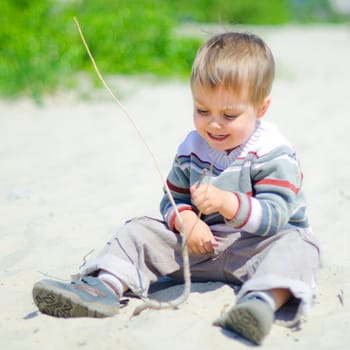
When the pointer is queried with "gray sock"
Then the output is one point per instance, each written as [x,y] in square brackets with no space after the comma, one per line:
[264,295]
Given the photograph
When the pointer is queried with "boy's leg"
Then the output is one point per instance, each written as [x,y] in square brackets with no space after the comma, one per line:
[142,251]
[290,263]
[138,254]
[286,267]
[280,296]
[252,317]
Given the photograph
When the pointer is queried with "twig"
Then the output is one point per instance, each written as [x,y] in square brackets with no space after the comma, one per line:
[161,305]
[85,256]
[201,178]
[150,304]
[158,305]
[341,297]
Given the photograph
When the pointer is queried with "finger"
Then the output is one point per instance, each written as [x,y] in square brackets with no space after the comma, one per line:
[208,247]
[195,249]
[193,189]
[214,244]
[201,249]
[205,209]
[191,250]
[198,198]
[198,192]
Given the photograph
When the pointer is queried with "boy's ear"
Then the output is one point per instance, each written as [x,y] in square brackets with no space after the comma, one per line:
[264,107]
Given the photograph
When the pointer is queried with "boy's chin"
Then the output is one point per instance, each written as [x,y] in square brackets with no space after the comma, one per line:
[222,148]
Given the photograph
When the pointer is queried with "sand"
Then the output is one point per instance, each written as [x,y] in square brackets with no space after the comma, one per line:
[72,170]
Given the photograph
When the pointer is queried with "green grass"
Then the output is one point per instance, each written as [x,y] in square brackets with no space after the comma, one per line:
[234,11]
[40,48]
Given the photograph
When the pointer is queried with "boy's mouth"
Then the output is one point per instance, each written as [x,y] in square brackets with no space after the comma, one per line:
[217,137]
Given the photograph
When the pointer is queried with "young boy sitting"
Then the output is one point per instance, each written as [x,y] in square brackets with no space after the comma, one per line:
[253,230]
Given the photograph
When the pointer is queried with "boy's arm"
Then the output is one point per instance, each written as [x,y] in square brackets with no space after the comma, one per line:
[265,211]
[178,182]
[200,239]
[210,199]
[275,198]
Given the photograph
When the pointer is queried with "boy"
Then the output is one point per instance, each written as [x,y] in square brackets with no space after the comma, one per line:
[253,229]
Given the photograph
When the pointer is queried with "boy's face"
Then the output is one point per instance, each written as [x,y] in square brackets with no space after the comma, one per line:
[224,119]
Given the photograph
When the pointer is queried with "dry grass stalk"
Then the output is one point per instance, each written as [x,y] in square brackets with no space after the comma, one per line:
[150,304]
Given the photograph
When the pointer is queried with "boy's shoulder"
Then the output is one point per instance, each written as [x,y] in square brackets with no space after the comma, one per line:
[266,139]
[193,142]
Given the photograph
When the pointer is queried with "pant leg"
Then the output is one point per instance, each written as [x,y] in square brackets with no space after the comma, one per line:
[139,253]
[292,261]
[211,267]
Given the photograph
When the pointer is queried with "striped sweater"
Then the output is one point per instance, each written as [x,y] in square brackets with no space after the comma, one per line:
[263,173]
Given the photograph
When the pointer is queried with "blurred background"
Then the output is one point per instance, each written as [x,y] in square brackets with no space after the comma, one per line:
[41,51]
[72,168]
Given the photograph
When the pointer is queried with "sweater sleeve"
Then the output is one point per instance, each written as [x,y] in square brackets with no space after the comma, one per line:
[179,183]
[276,182]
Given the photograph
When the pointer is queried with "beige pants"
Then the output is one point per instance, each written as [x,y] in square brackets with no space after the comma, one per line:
[144,249]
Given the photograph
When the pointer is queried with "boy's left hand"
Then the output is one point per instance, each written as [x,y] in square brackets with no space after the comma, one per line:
[210,199]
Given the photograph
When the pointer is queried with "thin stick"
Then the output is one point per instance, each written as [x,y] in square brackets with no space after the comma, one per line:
[150,304]
[341,297]
[154,304]
[157,305]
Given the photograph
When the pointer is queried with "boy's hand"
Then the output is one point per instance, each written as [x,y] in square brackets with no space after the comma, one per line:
[200,239]
[210,199]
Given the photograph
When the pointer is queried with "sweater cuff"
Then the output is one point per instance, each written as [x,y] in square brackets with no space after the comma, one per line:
[243,211]
[249,214]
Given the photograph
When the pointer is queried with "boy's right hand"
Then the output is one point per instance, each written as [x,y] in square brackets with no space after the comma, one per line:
[200,239]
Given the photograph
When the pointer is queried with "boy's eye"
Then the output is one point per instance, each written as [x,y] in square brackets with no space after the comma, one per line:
[230,117]
[202,111]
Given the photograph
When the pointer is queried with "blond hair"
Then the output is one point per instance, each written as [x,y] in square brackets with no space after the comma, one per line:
[235,61]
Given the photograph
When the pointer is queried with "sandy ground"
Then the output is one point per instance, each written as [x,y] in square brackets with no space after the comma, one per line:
[72,170]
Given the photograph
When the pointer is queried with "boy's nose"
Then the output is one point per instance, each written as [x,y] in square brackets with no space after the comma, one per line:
[214,123]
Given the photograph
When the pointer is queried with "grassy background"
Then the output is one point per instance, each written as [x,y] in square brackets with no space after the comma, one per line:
[40,49]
